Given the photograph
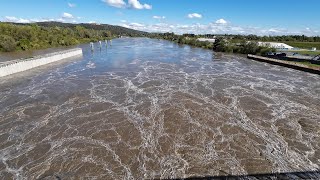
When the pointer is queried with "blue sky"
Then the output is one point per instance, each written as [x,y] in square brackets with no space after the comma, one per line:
[261,17]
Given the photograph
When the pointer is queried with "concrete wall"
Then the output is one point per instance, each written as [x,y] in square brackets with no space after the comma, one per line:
[16,66]
[287,64]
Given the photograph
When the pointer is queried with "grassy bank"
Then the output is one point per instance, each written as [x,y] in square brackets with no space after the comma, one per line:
[310,53]
[304,45]
[309,64]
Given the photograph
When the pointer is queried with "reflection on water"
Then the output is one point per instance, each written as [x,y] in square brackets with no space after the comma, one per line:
[152,109]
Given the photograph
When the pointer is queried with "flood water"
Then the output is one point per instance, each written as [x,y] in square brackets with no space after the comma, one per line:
[153,109]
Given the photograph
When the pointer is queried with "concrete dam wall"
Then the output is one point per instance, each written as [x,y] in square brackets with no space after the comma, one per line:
[15,66]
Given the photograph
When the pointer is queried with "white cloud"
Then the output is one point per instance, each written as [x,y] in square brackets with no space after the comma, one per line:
[71,5]
[158,17]
[115,3]
[135,4]
[16,20]
[137,25]
[216,28]
[123,21]
[60,20]
[221,21]
[67,16]
[92,22]
[274,30]
[194,15]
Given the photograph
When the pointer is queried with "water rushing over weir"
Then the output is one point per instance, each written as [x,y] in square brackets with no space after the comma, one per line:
[153,109]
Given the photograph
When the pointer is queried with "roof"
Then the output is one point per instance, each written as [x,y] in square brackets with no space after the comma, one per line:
[275,45]
[206,39]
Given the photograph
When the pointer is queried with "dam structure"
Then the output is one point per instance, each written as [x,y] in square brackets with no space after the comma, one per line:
[20,65]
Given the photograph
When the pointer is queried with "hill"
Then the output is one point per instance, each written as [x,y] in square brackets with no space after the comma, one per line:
[17,36]
[115,30]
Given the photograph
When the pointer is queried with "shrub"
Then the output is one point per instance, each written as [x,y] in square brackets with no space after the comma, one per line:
[7,43]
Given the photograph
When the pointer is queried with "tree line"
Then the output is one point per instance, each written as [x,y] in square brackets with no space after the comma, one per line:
[221,44]
[54,34]
[15,36]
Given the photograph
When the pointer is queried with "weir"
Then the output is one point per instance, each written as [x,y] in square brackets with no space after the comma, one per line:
[16,66]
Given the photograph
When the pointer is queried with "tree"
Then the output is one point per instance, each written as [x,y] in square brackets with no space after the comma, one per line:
[219,45]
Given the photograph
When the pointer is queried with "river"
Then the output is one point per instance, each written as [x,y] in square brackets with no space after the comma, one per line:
[146,108]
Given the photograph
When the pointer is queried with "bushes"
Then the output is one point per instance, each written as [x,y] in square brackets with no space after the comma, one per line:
[7,43]
[243,48]
[24,44]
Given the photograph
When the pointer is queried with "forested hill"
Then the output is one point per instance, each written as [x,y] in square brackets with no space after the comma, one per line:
[115,30]
[17,36]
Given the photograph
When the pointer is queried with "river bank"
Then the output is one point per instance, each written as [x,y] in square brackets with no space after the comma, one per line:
[290,64]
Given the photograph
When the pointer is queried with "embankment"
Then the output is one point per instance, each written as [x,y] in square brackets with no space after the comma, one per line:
[16,66]
[293,65]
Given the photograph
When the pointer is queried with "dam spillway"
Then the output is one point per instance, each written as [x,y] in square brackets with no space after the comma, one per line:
[16,66]
[152,109]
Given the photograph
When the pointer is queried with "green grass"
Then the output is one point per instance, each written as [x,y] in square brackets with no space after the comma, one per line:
[311,53]
[304,45]
[309,64]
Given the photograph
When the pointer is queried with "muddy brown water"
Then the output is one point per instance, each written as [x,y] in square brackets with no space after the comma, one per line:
[152,109]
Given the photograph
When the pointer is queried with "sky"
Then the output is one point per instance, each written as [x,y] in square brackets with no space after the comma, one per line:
[260,17]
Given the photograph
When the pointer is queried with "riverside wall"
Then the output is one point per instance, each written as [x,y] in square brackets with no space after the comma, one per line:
[20,65]
[288,64]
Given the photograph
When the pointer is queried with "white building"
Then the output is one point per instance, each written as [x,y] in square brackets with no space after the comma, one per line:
[276,45]
[313,49]
[206,40]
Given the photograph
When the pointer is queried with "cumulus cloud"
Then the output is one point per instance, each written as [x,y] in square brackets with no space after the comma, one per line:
[194,15]
[135,4]
[221,21]
[137,25]
[60,20]
[71,5]
[67,16]
[216,28]
[16,20]
[115,3]
[158,17]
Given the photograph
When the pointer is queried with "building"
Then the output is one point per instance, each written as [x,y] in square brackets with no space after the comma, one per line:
[206,40]
[276,45]
[313,49]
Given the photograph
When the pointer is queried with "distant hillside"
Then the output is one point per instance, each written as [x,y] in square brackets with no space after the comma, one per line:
[115,30]
[17,36]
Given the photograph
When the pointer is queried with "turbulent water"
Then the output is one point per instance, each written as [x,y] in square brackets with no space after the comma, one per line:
[153,109]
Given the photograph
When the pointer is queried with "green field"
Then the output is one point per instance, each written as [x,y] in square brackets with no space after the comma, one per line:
[309,64]
[311,53]
[304,45]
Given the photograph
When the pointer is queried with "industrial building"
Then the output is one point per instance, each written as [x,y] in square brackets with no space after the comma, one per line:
[276,45]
